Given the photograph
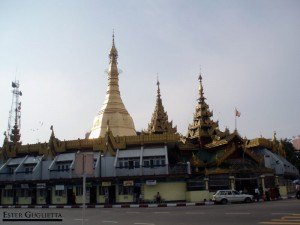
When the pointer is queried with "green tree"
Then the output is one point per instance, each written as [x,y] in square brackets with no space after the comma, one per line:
[292,155]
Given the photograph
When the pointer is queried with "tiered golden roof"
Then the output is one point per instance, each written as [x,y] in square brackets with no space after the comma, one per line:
[159,122]
[203,127]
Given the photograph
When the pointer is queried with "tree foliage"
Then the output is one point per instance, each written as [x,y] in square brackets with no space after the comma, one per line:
[292,155]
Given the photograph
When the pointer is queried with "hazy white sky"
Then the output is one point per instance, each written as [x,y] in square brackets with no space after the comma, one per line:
[249,52]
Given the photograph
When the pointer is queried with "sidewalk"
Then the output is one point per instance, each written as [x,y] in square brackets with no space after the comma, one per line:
[110,206]
[142,205]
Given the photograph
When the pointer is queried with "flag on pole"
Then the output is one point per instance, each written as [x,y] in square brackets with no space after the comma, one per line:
[237,113]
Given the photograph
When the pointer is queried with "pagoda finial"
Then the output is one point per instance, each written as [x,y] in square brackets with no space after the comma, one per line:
[113,55]
[201,92]
[52,132]
[158,89]
[113,37]
[274,137]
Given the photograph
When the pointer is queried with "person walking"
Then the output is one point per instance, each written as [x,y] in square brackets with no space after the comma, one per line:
[298,191]
[158,198]
[257,194]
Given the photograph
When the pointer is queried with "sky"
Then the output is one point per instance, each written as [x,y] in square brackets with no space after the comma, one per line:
[248,52]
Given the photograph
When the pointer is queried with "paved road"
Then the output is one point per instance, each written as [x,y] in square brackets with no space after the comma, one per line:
[277,212]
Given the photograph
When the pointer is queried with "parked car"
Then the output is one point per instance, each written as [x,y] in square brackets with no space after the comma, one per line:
[225,196]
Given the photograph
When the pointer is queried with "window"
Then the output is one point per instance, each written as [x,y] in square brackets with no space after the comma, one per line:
[157,162]
[130,164]
[11,170]
[22,193]
[103,190]
[125,190]
[151,162]
[30,169]
[163,162]
[42,192]
[146,163]
[62,167]
[58,167]
[79,191]
[8,193]
[59,192]
[136,164]
[67,167]
[121,164]
[126,164]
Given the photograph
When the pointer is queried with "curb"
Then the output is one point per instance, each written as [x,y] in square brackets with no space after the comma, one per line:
[161,205]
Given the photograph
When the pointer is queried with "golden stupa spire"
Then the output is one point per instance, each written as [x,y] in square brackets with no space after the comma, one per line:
[159,122]
[203,127]
[113,109]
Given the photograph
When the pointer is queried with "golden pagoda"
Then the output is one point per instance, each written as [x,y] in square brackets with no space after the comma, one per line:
[159,122]
[203,127]
[113,112]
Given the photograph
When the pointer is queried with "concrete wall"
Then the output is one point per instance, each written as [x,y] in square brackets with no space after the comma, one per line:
[24,200]
[198,196]
[40,200]
[101,199]
[169,191]
[107,166]
[124,198]
[7,200]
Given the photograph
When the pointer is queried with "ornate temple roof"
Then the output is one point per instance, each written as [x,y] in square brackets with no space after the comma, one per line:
[159,122]
[203,127]
[113,112]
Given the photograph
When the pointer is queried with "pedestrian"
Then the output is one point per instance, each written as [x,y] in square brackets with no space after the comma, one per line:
[257,194]
[140,198]
[267,193]
[277,192]
[158,198]
[73,199]
[106,197]
[298,191]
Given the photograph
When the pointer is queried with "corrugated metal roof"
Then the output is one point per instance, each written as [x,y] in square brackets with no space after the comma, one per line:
[129,153]
[288,167]
[154,152]
[32,160]
[15,161]
[65,157]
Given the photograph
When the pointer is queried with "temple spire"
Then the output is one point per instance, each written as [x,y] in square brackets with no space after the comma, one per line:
[159,122]
[203,127]
[113,55]
[158,89]
[113,109]
[201,91]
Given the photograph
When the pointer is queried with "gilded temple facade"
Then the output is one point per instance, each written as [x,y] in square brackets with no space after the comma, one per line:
[132,167]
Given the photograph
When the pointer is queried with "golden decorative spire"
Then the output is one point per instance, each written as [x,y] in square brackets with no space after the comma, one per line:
[203,127]
[113,109]
[159,122]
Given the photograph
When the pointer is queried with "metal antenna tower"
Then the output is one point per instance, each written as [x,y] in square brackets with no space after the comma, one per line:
[14,119]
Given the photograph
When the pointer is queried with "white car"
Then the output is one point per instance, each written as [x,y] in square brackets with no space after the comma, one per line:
[224,196]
